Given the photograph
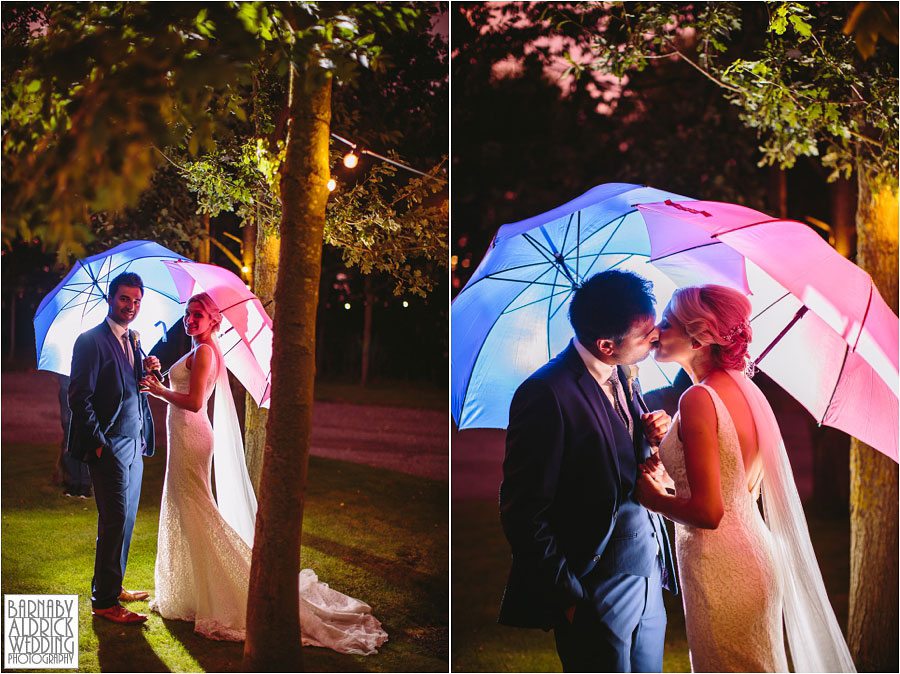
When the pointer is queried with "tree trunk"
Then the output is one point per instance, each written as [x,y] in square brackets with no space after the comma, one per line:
[367,329]
[265,273]
[777,196]
[273,623]
[842,193]
[873,624]
[204,247]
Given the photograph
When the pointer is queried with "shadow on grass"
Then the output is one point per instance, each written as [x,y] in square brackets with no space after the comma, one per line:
[114,641]
[392,570]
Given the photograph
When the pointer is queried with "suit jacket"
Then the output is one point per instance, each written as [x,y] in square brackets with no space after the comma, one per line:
[562,489]
[96,391]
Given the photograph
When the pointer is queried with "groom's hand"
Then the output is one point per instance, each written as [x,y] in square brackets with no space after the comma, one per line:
[656,425]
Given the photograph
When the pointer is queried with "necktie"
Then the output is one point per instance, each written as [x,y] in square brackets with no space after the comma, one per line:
[619,399]
[129,354]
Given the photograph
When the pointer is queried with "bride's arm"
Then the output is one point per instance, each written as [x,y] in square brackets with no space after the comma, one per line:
[193,399]
[704,509]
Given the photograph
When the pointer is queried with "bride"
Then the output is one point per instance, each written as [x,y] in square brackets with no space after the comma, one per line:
[739,573]
[203,550]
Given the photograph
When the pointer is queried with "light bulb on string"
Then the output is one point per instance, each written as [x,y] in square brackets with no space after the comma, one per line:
[351,160]
[332,183]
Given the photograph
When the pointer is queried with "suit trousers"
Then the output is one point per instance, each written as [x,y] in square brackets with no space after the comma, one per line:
[116,477]
[621,627]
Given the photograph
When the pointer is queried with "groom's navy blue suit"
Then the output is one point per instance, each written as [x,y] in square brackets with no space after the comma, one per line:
[578,537]
[109,411]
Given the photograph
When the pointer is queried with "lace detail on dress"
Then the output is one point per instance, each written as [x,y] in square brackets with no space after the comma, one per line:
[731,592]
[203,567]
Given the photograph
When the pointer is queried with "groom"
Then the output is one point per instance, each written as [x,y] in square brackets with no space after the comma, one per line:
[111,428]
[589,562]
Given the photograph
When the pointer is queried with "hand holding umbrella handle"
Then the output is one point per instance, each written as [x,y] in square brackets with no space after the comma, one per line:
[156,373]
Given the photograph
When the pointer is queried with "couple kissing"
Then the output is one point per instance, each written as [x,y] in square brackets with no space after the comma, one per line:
[589,472]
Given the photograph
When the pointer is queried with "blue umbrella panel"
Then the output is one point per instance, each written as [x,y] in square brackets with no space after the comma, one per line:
[78,303]
[512,316]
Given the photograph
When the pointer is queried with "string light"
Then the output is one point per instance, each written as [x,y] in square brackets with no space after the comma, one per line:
[347,305]
[405,304]
[355,159]
[245,269]
[332,183]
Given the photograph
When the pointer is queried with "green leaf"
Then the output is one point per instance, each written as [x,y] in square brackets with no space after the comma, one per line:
[33,86]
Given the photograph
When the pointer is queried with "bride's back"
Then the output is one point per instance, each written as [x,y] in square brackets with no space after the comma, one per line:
[742,417]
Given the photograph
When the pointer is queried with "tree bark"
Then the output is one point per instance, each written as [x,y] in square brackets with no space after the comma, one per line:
[273,623]
[367,329]
[203,249]
[265,273]
[873,622]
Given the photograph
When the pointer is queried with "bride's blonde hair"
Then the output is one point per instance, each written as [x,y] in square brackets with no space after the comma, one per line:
[205,301]
[717,316]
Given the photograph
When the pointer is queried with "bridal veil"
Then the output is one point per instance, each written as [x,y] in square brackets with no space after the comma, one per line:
[814,637]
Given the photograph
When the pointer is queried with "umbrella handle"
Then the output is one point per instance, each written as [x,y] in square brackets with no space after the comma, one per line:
[155,373]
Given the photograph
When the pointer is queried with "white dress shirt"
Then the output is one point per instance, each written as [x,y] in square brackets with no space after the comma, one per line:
[599,370]
[120,332]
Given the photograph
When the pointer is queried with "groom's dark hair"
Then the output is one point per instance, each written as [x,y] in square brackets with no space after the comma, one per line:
[608,304]
[127,278]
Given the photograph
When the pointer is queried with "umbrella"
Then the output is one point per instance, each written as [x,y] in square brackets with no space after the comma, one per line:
[78,302]
[512,315]
[821,330]
[246,334]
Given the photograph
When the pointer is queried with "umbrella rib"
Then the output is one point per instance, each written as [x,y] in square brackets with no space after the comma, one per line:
[684,250]
[617,221]
[562,246]
[800,313]
[752,224]
[493,276]
[561,304]
[865,314]
[836,382]
[507,311]
[132,260]
[577,248]
[546,252]
[787,294]
[550,314]
[527,282]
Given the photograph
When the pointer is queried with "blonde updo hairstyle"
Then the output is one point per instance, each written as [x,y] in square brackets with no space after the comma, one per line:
[205,301]
[717,316]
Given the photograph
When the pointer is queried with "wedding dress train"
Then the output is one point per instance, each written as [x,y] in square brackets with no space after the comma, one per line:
[749,581]
[203,564]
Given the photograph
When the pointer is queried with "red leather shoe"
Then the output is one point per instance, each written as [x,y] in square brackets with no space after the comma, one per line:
[120,614]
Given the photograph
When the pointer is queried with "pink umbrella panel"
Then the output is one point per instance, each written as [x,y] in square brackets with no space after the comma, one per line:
[246,334]
[821,329]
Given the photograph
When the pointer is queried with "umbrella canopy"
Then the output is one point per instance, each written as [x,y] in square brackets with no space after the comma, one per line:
[821,330]
[246,334]
[78,302]
[512,315]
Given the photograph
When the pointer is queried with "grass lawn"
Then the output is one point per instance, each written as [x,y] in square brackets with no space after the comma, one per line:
[480,563]
[375,534]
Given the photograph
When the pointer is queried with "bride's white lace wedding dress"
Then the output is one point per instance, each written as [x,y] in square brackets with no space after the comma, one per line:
[202,564]
[730,585]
